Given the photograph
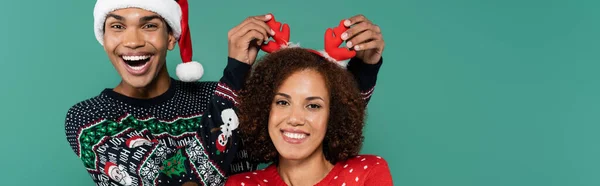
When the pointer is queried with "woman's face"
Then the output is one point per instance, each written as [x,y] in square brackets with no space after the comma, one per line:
[299,115]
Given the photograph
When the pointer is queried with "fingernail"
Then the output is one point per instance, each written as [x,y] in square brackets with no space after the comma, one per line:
[347,23]
[356,48]
[272,32]
[349,44]
[268,16]
[345,36]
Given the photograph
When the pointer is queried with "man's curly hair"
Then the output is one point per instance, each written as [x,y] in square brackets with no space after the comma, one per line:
[344,135]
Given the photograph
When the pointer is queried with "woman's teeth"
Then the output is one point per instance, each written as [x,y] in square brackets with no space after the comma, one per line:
[295,135]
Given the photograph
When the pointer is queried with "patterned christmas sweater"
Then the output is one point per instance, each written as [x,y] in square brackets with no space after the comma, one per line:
[186,136]
[361,170]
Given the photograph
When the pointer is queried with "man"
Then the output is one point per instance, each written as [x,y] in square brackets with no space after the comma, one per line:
[154,130]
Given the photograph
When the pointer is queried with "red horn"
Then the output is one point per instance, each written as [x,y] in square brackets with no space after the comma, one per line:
[281,37]
[333,39]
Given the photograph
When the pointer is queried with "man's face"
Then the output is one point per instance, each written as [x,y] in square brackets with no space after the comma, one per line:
[136,42]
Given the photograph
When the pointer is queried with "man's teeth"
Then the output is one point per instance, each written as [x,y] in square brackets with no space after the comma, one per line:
[136,67]
[135,58]
[295,135]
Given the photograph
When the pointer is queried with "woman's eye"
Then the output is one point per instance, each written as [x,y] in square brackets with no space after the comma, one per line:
[313,106]
[282,103]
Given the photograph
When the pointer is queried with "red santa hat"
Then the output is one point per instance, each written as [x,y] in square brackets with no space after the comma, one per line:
[134,140]
[109,167]
[174,12]
[333,39]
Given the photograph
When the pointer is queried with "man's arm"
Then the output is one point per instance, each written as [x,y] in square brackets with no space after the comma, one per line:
[220,122]
[244,42]
[366,39]
[365,75]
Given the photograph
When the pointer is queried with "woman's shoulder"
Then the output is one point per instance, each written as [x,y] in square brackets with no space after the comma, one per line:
[255,177]
[366,160]
[361,170]
[364,163]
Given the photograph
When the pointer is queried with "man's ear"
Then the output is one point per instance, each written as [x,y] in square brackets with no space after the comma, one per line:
[172,41]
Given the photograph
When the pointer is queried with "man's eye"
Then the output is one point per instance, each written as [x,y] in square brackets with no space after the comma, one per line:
[117,27]
[150,26]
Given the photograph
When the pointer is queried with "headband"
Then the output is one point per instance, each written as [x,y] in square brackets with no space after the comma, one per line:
[332,51]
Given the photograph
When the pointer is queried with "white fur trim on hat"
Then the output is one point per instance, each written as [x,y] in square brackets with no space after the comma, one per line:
[343,63]
[108,167]
[112,167]
[168,9]
[189,71]
[133,140]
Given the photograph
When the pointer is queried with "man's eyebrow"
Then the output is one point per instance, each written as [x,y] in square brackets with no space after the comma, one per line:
[149,18]
[117,17]
[142,19]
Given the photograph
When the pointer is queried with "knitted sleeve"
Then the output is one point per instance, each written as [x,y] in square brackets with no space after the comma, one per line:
[365,75]
[220,123]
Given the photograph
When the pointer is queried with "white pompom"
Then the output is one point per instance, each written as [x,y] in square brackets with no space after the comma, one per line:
[190,71]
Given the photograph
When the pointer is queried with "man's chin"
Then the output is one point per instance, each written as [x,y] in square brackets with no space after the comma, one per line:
[137,81]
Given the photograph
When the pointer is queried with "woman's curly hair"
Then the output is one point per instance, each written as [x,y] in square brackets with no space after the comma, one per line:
[344,135]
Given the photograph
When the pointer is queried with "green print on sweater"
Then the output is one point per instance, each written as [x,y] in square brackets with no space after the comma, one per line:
[92,135]
[174,165]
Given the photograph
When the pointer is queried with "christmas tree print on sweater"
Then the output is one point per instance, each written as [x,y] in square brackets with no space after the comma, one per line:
[174,165]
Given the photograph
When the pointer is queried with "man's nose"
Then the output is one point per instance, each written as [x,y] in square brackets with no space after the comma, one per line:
[133,39]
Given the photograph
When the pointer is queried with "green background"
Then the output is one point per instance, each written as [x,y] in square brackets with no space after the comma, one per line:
[471,93]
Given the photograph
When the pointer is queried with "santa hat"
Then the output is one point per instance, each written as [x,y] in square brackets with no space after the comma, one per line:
[174,12]
[135,139]
[109,167]
[332,51]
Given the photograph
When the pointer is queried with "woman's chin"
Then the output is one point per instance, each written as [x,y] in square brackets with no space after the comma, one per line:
[293,154]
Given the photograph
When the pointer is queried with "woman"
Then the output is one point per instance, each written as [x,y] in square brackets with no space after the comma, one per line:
[305,114]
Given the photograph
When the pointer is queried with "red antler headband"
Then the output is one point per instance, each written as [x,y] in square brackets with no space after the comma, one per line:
[281,37]
[333,39]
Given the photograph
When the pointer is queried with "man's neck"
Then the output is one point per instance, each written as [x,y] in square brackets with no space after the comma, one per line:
[155,88]
[309,171]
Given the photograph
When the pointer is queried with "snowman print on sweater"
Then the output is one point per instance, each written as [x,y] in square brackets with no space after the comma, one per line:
[230,123]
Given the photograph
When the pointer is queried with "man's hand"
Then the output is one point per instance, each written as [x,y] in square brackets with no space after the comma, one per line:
[246,38]
[365,37]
